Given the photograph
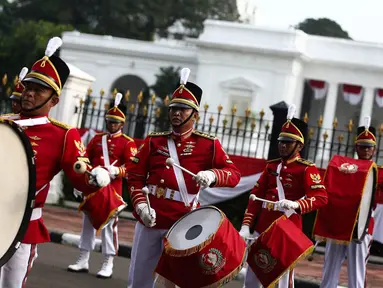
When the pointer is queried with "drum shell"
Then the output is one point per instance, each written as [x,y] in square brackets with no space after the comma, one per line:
[277,250]
[102,205]
[338,220]
[188,269]
[26,204]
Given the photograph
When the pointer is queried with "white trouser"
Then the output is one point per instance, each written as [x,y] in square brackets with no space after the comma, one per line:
[251,280]
[146,251]
[109,236]
[357,258]
[14,273]
[378,227]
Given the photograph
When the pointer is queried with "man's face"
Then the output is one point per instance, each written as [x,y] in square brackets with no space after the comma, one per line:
[365,152]
[34,95]
[114,127]
[16,105]
[288,148]
[178,115]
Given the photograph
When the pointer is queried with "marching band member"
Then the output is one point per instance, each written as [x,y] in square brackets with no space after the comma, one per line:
[357,253]
[172,192]
[56,146]
[104,149]
[293,182]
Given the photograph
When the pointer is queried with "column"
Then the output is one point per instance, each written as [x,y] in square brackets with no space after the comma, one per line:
[367,104]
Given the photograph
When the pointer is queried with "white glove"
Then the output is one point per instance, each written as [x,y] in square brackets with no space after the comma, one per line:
[205,178]
[287,204]
[77,194]
[99,177]
[245,232]
[148,218]
[113,171]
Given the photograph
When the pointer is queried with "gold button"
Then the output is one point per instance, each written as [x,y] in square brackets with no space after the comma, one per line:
[285,167]
[280,178]
[162,181]
[178,144]
[102,157]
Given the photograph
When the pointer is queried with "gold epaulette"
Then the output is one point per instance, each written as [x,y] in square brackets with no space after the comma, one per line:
[380,166]
[305,162]
[127,137]
[211,137]
[273,160]
[60,124]
[151,134]
[8,115]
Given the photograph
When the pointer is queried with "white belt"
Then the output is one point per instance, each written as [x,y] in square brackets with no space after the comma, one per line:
[167,193]
[36,214]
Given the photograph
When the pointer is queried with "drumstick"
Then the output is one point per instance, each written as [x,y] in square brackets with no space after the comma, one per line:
[170,162]
[311,256]
[253,197]
[80,168]
[114,163]
[145,190]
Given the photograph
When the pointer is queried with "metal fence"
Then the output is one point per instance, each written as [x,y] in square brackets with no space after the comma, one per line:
[6,87]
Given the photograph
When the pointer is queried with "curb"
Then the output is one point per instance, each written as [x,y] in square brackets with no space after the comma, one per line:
[73,240]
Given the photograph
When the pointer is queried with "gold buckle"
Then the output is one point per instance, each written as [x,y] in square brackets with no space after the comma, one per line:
[160,192]
[270,206]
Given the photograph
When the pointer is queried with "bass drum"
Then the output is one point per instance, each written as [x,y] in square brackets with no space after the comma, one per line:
[18,185]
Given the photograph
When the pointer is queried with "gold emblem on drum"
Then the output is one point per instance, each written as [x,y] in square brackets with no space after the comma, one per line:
[212,262]
[348,168]
[264,260]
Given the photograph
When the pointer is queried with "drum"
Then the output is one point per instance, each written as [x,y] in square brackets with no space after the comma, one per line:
[202,249]
[351,186]
[18,186]
[102,206]
[277,250]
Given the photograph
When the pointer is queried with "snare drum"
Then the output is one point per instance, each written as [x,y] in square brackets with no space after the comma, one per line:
[18,187]
[277,250]
[101,206]
[202,249]
[351,186]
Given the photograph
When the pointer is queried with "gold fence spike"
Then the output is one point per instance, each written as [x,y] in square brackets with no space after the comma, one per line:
[16,80]
[206,106]
[145,110]
[131,108]
[340,138]
[211,119]
[239,123]
[325,135]
[224,122]
[234,109]
[252,124]
[262,113]
[219,108]
[102,92]
[114,93]
[9,91]
[89,92]
[311,133]
[153,98]
[127,95]
[94,103]
[247,112]
[82,102]
[320,121]
[106,106]
[306,118]
[5,79]
[166,100]
[335,123]
[350,125]
[140,97]
[158,112]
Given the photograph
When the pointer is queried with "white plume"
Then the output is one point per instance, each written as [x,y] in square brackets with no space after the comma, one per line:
[185,72]
[53,44]
[23,73]
[117,100]
[291,112]
[367,122]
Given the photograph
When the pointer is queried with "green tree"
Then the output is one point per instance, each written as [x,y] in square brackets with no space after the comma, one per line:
[322,27]
[25,43]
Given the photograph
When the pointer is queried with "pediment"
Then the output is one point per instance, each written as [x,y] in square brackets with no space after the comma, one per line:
[240,83]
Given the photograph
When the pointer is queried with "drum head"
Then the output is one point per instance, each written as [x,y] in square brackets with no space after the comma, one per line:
[194,228]
[18,184]
[366,204]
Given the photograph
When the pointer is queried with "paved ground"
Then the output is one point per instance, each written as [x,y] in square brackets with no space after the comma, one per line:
[49,270]
[68,220]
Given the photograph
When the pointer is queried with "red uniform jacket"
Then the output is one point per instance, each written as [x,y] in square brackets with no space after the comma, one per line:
[300,178]
[120,148]
[56,146]
[379,190]
[196,152]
